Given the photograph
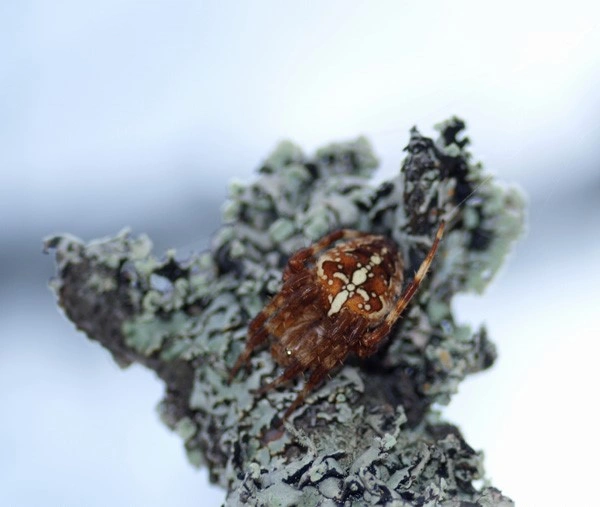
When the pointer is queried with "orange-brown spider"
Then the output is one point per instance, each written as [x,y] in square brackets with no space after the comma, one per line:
[334,300]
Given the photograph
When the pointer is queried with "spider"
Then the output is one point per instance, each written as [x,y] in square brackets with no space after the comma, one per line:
[335,300]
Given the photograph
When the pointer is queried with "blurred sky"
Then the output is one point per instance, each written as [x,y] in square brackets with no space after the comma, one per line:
[138,113]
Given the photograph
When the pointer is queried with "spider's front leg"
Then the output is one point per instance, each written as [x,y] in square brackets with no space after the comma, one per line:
[413,286]
[370,342]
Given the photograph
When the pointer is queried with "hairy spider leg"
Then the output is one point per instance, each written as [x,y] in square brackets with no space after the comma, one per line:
[257,333]
[334,236]
[324,352]
[370,342]
[317,375]
[258,330]
[290,372]
[300,364]
[254,340]
[327,355]
[301,295]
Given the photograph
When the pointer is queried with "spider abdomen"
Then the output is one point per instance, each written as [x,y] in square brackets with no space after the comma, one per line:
[362,275]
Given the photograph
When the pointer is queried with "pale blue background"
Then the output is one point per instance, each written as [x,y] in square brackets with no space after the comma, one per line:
[137,113]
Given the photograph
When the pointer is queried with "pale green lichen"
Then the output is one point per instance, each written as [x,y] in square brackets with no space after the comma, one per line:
[367,435]
[147,336]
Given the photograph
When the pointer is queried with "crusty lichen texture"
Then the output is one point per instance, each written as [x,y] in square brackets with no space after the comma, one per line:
[366,436]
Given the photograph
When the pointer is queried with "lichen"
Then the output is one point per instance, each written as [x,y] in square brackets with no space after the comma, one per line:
[366,436]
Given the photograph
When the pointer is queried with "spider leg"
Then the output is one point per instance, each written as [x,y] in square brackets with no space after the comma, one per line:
[289,319]
[325,351]
[254,341]
[296,262]
[369,343]
[257,333]
[413,286]
[329,360]
[289,373]
[297,364]
[334,236]
[259,329]
[315,378]
[329,355]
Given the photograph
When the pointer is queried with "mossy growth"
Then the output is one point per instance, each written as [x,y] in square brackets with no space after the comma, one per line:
[368,435]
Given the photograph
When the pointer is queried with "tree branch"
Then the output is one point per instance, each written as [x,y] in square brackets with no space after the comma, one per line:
[366,436]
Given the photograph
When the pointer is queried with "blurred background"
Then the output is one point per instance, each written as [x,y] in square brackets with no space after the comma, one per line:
[138,113]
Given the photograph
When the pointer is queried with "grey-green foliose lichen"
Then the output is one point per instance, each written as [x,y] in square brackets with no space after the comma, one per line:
[367,436]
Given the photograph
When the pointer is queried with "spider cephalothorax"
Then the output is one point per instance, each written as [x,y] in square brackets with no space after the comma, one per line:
[335,300]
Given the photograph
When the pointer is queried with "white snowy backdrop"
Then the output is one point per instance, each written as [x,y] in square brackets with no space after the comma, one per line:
[137,113]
